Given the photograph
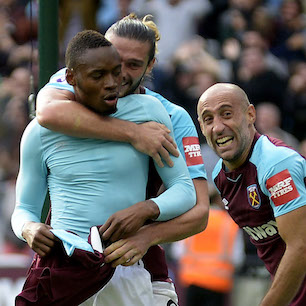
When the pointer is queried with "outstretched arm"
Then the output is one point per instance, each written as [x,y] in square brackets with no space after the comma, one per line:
[57,111]
[292,269]
[130,250]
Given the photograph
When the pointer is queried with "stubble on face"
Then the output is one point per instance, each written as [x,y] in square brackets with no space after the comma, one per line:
[134,58]
[224,114]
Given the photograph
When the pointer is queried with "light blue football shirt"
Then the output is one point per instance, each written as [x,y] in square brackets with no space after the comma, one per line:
[90,179]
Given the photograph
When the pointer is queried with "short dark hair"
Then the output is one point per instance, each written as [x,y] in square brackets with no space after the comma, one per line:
[81,42]
[132,27]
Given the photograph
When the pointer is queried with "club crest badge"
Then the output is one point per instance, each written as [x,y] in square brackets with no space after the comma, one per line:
[253,196]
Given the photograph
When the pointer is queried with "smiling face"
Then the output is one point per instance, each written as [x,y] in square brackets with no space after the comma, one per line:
[227,121]
[135,62]
[97,79]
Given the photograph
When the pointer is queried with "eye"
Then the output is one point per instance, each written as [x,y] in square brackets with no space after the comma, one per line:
[134,65]
[207,119]
[97,75]
[227,114]
[117,71]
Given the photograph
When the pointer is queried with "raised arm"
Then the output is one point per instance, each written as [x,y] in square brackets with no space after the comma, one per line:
[57,110]
[292,269]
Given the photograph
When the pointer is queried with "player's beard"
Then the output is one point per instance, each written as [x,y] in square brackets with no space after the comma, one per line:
[134,87]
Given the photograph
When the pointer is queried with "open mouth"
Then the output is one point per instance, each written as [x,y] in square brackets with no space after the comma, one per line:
[112,98]
[224,141]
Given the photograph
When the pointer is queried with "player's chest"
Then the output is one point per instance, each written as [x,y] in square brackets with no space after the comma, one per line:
[94,157]
[243,198]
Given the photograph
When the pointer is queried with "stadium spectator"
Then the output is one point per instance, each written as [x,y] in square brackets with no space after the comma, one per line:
[295,101]
[253,75]
[290,34]
[184,14]
[268,122]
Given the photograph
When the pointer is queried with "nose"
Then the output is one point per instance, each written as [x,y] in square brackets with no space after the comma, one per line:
[110,81]
[218,125]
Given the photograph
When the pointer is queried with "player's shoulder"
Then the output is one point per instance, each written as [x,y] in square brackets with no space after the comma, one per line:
[32,127]
[176,112]
[31,133]
[141,98]
[141,108]
[142,101]
[58,76]
[35,132]
[271,155]
[268,152]
[58,80]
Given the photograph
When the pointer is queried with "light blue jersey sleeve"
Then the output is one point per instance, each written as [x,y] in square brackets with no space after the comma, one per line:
[185,135]
[285,185]
[281,175]
[180,195]
[31,186]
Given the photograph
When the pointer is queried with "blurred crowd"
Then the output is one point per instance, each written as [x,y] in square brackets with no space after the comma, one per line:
[259,45]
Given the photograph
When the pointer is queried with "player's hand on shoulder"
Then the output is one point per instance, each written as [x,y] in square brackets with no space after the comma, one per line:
[153,139]
[39,237]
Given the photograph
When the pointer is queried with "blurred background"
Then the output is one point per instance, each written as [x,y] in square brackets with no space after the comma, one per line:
[259,45]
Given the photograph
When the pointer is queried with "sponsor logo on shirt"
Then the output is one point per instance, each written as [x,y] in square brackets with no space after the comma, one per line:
[263,231]
[282,188]
[253,196]
[192,151]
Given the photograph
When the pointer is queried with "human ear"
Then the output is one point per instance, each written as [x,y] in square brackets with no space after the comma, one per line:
[201,126]
[150,65]
[251,113]
[70,76]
